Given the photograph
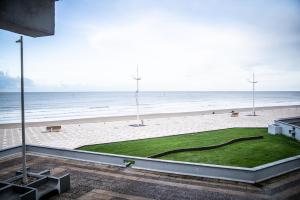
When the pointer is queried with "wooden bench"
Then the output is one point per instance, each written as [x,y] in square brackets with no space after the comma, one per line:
[234,114]
[53,128]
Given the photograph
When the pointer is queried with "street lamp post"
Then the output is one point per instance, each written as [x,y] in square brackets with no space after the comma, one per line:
[24,169]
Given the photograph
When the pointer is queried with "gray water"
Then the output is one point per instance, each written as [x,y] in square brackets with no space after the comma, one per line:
[47,106]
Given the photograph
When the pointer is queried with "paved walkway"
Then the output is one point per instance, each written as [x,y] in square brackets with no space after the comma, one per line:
[76,135]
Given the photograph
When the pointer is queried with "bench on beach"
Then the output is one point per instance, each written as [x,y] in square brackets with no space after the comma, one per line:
[234,114]
[53,128]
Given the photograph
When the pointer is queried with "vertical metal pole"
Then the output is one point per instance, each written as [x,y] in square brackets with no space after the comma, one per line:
[137,96]
[253,109]
[253,94]
[23,114]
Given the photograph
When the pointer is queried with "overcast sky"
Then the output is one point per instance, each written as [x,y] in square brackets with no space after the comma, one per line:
[179,45]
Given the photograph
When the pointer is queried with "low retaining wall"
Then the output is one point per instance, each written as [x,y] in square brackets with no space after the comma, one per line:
[248,175]
[205,148]
[10,151]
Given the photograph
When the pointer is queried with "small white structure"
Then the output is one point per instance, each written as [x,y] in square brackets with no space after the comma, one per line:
[288,126]
[274,129]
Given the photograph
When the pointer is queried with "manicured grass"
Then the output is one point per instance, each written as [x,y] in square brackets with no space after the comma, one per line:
[242,154]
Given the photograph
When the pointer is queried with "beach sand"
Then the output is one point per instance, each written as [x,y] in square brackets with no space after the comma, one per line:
[80,132]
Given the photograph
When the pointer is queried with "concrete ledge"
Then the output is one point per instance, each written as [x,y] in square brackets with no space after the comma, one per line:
[271,170]
[247,175]
[10,151]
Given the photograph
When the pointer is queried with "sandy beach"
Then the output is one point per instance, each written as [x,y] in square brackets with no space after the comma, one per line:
[80,132]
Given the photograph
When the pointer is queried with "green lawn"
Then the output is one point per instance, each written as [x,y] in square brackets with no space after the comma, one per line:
[242,154]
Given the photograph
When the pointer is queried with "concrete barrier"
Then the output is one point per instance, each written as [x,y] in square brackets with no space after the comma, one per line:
[241,174]
[10,151]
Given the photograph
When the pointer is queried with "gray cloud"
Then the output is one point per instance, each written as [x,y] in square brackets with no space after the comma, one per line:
[11,84]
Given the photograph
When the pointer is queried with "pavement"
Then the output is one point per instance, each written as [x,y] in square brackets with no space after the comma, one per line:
[74,135]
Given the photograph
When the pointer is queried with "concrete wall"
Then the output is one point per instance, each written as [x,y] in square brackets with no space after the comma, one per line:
[28,17]
[248,175]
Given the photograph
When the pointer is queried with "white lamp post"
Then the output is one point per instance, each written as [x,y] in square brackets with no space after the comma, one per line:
[253,94]
[137,78]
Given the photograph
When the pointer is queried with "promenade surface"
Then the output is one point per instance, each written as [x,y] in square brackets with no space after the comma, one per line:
[78,134]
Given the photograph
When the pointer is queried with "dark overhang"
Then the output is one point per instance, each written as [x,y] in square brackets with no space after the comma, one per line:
[35,18]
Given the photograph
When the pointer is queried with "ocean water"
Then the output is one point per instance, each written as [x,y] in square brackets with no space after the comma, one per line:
[48,106]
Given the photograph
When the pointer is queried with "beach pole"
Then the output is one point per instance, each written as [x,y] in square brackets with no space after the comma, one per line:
[24,169]
[253,94]
[137,78]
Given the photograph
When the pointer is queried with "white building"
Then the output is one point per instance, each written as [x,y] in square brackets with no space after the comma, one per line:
[287,126]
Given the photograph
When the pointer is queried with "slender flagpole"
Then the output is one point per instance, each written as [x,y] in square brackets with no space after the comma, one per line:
[137,78]
[23,114]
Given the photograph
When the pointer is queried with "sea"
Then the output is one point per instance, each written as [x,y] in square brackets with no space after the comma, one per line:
[51,106]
